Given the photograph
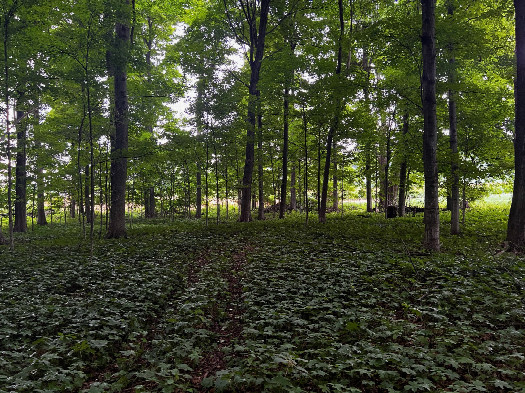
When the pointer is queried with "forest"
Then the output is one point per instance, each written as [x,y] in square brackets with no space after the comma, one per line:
[262,196]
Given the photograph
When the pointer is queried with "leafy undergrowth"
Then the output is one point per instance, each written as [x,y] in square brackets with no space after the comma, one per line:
[351,306]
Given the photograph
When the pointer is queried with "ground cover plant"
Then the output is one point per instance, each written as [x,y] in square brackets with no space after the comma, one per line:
[354,305]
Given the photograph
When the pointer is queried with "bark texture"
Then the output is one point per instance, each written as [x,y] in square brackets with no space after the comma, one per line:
[119,147]
[335,120]
[257,42]
[198,202]
[335,199]
[260,169]
[87,194]
[516,223]
[293,191]
[431,239]
[453,132]
[150,208]
[20,174]
[403,169]
[284,180]
[41,210]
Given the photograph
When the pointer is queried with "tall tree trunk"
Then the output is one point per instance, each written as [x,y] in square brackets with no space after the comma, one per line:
[20,173]
[206,184]
[255,58]
[431,239]
[387,169]
[73,208]
[403,168]
[335,121]
[284,180]
[293,193]
[260,169]
[106,189]
[368,176]
[7,18]
[516,223]
[334,193]
[41,220]
[152,202]
[453,133]
[305,126]
[199,115]
[119,148]
[227,191]
[100,194]
[149,202]
[148,41]
[81,216]
[216,167]
[198,208]
[87,193]
[368,147]
[146,202]
[319,170]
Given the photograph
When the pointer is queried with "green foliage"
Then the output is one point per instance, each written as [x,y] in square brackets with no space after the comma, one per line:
[353,305]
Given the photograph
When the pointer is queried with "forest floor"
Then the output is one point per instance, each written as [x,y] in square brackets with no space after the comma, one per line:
[354,305]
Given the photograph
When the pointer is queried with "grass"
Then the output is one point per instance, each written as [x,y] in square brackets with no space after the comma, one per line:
[354,305]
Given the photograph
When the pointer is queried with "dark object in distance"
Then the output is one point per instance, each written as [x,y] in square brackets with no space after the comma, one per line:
[391,212]
[414,210]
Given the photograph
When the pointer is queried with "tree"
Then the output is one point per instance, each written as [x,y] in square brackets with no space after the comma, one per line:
[336,116]
[516,223]
[119,147]
[453,132]
[21,178]
[431,240]
[250,26]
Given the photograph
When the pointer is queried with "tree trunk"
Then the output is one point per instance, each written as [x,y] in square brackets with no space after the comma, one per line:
[206,184]
[260,169]
[227,191]
[198,209]
[305,126]
[146,202]
[387,168]
[87,195]
[516,223]
[293,193]
[256,56]
[73,208]
[217,189]
[119,148]
[335,196]
[284,180]
[368,175]
[41,220]
[149,202]
[7,19]
[368,147]
[335,121]
[454,187]
[20,173]
[199,115]
[319,170]
[403,169]
[431,239]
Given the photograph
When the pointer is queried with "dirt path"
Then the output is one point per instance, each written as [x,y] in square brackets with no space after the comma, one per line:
[227,328]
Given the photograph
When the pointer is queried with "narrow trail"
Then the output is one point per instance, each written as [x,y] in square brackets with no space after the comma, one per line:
[226,320]
[222,317]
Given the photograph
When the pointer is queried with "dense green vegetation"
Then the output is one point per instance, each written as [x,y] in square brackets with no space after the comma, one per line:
[175,106]
[143,249]
[353,305]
